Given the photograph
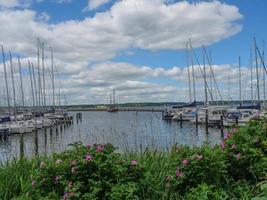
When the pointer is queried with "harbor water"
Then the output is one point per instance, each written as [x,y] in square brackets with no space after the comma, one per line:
[128,131]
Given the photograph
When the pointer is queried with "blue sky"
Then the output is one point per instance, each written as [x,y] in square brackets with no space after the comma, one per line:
[225,51]
[101,47]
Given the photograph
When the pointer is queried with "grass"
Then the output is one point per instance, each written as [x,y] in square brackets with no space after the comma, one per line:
[235,169]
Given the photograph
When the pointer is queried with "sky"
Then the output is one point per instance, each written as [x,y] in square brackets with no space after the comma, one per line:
[137,47]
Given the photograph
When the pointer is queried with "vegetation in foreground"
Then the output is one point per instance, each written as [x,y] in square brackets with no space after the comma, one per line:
[234,169]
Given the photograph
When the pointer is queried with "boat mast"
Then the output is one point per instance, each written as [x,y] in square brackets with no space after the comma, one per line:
[53,78]
[30,71]
[188,71]
[193,70]
[7,91]
[205,78]
[44,101]
[210,74]
[114,98]
[35,86]
[257,70]
[39,73]
[21,84]
[262,61]
[59,100]
[251,76]
[13,85]
[240,86]
[264,75]
[214,79]
[228,87]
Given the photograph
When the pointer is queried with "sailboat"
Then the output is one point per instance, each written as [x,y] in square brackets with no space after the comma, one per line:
[112,107]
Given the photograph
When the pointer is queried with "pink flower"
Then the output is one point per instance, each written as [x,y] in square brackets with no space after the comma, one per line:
[179,173]
[133,162]
[88,146]
[68,195]
[65,196]
[185,162]
[42,165]
[222,145]
[57,178]
[88,157]
[238,156]
[233,146]
[227,136]
[73,170]
[99,149]
[234,130]
[33,183]
[58,161]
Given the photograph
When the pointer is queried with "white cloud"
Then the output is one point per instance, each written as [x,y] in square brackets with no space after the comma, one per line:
[137,83]
[9,3]
[14,3]
[94,4]
[145,24]
[149,25]
[140,83]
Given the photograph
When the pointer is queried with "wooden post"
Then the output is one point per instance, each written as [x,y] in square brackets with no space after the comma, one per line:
[236,120]
[222,133]
[196,120]
[36,143]
[21,145]
[181,120]
[207,121]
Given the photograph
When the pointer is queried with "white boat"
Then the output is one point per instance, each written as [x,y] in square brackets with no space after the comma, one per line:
[187,115]
[4,129]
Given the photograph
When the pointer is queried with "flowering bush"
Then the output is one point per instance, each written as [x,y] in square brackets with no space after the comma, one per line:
[95,172]
[234,169]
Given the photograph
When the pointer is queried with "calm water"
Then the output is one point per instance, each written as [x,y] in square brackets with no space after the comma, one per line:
[133,131]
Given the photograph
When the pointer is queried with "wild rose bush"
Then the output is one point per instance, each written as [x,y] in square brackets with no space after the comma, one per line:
[234,169]
[87,172]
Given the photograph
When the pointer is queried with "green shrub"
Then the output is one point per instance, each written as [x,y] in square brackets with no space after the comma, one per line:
[235,169]
[95,172]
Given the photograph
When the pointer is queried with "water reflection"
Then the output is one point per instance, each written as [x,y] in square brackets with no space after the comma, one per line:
[129,131]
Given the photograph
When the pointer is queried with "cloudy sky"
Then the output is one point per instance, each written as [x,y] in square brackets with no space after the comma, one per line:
[137,47]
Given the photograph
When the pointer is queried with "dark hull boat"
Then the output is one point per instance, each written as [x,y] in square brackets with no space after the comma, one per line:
[189,105]
[257,106]
[113,109]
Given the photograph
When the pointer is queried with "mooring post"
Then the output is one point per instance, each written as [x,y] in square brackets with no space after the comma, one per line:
[36,143]
[196,120]
[236,120]
[207,121]
[221,124]
[21,145]
[181,120]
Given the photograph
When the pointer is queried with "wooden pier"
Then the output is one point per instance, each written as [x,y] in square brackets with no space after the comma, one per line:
[122,109]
